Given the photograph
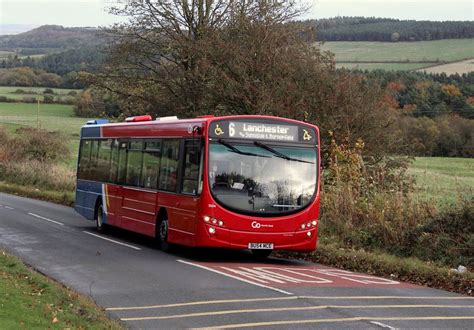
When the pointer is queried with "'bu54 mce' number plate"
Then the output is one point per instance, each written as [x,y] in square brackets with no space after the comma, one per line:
[261,246]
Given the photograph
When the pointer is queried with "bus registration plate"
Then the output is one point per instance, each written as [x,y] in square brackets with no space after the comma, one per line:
[261,246]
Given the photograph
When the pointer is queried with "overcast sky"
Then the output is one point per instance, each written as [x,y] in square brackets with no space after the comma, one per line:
[94,13]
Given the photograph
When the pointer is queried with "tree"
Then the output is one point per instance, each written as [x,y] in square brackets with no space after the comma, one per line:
[395,36]
[236,57]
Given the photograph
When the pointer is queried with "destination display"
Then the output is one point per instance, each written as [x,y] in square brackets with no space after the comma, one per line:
[259,130]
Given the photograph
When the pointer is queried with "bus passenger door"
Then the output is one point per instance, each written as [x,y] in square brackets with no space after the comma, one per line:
[184,217]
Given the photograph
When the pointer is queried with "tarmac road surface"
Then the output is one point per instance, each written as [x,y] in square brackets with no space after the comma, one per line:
[204,288]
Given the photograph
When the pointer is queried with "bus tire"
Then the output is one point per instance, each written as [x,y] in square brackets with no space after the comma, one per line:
[261,254]
[99,219]
[162,234]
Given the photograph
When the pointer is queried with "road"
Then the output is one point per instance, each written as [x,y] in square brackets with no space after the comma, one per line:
[202,288]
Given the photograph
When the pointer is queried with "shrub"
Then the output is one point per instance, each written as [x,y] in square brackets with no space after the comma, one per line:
[447,237]
[48,91]
[41,145]
[48,98]
[42,175]
[29,99]
[367,203]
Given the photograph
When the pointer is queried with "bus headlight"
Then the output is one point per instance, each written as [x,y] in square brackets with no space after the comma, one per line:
[212,230]
[308,234]
[207,218]
[309,225]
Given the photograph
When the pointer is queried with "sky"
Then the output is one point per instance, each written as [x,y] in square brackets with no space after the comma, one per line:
[94,13]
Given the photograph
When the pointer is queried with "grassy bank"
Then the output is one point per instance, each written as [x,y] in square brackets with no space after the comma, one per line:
[409,270]
[29,300]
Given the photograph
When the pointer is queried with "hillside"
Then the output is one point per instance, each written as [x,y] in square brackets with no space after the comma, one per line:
[52,37]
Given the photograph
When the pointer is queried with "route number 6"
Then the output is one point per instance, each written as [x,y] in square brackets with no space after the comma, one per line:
[231,129]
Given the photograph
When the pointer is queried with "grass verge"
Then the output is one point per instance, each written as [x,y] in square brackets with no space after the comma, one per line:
[30,300]
[410,270]
[64,198]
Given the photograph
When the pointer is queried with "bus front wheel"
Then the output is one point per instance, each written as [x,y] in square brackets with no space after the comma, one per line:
[99,219]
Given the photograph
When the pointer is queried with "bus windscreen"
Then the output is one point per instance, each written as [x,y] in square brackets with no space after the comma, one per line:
[260,179]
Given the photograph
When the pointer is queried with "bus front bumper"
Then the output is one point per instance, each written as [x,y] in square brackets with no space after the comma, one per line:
[234,239]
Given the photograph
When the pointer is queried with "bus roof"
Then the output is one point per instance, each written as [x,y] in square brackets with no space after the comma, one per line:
[161,127]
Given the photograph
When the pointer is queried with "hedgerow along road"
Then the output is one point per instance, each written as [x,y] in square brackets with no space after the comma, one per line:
[147,288]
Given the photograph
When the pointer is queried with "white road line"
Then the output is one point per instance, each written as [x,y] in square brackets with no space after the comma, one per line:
[383,325]
[111,240]
[9,208]
[46,219]
[235,277]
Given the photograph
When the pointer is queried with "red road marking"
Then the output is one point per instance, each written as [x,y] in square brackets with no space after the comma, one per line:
[284,276]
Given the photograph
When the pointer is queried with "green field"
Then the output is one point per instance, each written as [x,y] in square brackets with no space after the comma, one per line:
[444,179]
[36,92]
[425,52]
[6,53]
[54,117]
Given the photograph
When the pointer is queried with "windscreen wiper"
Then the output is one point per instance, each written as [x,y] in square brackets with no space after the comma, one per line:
[279,154]
[238,151]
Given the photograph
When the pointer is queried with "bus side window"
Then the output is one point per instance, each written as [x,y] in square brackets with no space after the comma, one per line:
[134,163]
[84,160]
[92,173]
[192,161]
[169,165]
[114,161]
[151,164]
[122,162]
[103,160]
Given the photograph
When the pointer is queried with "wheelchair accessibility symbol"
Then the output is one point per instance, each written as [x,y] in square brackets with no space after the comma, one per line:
[218,130]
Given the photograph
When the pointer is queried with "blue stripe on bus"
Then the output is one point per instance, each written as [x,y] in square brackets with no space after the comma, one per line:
[90,132]
[87,193]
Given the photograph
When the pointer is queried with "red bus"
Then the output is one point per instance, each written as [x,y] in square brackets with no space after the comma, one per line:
[239,182]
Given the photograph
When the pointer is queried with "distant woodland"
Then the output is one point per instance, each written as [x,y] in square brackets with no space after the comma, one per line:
[386,29]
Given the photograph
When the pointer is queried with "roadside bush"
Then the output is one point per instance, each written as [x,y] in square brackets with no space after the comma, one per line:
[38,174]
[447,237]
[368,203]
[41,145]
[29,158]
